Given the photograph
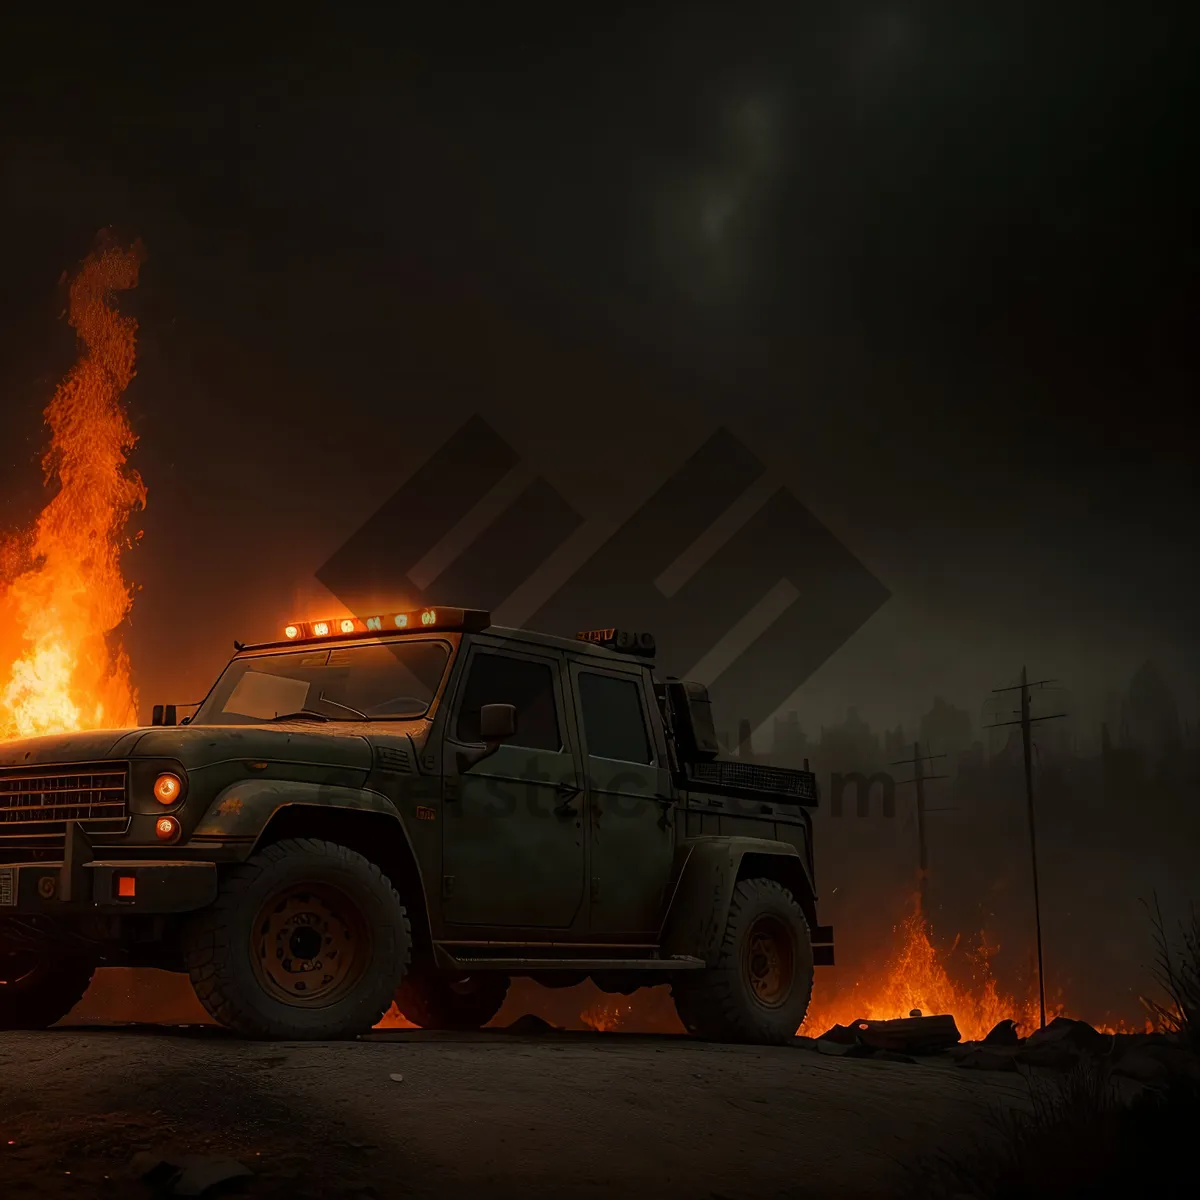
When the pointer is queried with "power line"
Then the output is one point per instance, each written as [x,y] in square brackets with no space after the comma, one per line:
[1026,723]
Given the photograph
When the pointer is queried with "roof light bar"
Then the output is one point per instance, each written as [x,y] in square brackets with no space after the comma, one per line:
[467,620]
[626,641]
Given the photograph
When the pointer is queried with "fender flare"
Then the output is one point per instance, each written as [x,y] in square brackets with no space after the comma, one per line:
[695,920]
[244,809]
[242,812]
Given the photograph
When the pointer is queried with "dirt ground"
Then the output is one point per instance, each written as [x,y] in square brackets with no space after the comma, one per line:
[573,1114]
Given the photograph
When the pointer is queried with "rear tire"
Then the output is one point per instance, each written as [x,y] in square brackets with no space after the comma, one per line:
[759,988]
[435,1001]
[306,940]
[36,992]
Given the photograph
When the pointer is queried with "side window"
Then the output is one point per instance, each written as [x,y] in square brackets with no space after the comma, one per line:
[614,725]
[529,686]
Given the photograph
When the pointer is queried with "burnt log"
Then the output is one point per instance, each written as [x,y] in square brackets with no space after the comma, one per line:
[904,1035]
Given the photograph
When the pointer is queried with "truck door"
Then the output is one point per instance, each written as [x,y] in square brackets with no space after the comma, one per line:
[512,832]
[630,815]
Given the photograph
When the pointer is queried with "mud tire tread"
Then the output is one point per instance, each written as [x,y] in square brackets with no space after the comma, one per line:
[226,986]
[713,1004]
[429,1003]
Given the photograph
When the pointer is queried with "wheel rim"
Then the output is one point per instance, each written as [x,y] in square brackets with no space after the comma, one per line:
[469,986]
[769,961]
[15,967]
[311,945]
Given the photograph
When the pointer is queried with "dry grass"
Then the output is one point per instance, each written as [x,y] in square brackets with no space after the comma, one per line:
[1076,1137]
[1177,972]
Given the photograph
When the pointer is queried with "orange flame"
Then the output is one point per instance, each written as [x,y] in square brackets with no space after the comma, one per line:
[62,593]
[916,977]
[394,1019]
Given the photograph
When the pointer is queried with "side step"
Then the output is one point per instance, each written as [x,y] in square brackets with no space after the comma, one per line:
[682,962]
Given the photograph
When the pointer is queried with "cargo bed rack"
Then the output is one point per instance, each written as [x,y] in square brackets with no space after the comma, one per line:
[753,781]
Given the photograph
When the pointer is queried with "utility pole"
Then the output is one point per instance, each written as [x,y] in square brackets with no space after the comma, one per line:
[919,778]
[1026,723]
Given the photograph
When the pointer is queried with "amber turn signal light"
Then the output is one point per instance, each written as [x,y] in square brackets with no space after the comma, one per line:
[168,788]
[167,829]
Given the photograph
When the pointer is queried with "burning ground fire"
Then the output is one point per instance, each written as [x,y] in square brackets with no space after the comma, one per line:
[62,593]
[917,976]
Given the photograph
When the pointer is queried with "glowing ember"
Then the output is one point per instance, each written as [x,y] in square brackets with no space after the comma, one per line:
[916,978]
[62,593]
[604,1018]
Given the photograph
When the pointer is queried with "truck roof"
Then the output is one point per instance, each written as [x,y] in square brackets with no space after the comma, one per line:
[573,645]
[596,644]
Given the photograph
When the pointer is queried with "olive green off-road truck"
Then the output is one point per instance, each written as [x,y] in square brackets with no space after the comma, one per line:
[415,807]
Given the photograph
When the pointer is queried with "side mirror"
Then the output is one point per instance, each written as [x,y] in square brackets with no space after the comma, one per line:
[497,722]
[163,714]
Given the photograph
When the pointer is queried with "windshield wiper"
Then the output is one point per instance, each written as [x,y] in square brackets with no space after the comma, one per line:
[324,699]
[303,712]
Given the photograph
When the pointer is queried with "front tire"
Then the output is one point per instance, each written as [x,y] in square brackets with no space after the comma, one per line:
[435,1001]
[306,940]
[36,992]
[759,988]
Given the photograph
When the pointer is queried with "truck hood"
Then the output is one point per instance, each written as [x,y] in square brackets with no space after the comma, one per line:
[344,744]
[68,747]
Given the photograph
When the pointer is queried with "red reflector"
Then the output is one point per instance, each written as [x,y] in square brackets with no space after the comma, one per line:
[126,886]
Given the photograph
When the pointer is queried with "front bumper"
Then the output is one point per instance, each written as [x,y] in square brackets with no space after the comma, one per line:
[106,886]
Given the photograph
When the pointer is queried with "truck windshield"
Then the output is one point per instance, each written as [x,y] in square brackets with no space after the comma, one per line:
[342,683]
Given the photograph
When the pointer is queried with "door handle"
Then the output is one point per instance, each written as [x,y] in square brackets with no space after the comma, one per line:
[666,803]
[567,792]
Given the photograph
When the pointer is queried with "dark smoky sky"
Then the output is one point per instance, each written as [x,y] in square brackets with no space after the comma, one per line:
[935,264]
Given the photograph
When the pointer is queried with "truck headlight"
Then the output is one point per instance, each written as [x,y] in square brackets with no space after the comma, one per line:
[168,788]
[166,829]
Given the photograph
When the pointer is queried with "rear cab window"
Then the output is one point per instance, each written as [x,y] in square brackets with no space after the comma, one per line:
[613,711]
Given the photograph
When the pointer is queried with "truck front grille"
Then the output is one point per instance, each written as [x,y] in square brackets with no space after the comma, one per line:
[36,804]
